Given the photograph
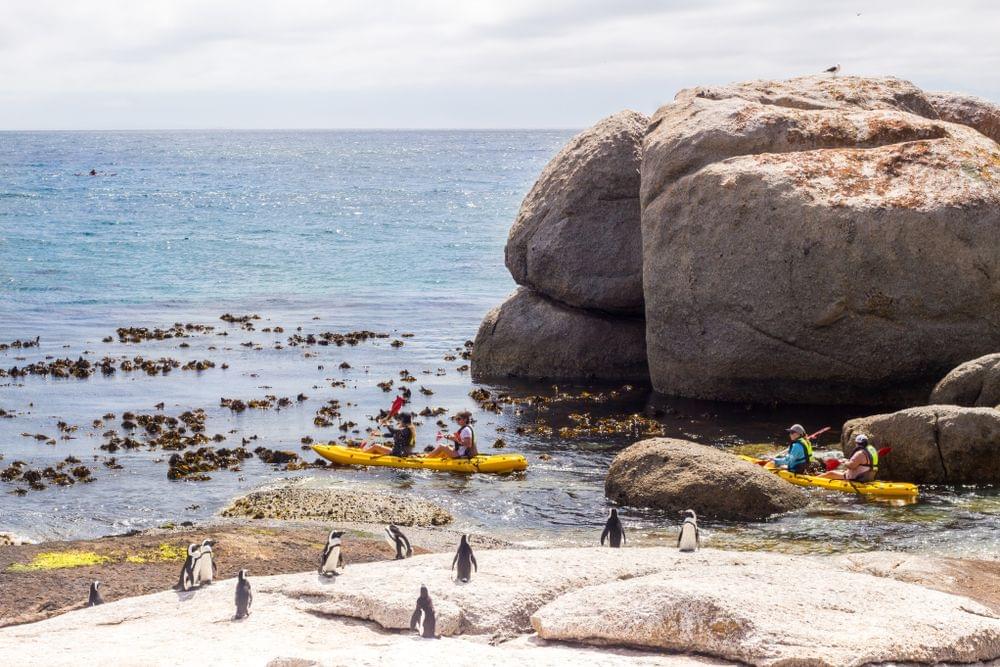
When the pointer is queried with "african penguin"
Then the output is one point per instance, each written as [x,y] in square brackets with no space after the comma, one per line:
[425,608]
[614,531]
[396,538]
[95,595]
[332,557]
[189,571]
[689,539]
[206,563]
[244,596]
[465,560]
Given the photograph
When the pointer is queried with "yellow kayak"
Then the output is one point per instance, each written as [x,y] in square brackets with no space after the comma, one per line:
[351,456]
[876,489]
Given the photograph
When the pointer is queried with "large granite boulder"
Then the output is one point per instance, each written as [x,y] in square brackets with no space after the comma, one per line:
[676,475]
[974,384]
[934,444]
[576,238]
[817,240]
[531,336]
[744,608]
[975,112]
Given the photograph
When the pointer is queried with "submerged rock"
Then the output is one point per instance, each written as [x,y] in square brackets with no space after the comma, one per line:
[533,337]
[676,475]
[816,240]
[297,501]
[576,238]
[935,444]
[974,384]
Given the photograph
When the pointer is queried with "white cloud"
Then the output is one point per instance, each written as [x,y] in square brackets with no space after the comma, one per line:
[299,63]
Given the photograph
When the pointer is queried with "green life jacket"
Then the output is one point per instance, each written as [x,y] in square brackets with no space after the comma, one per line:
[872,456]
[808,446]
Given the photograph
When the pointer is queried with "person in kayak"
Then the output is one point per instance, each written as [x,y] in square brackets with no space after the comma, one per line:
[464,439]
[862,466]
[403,438]
[799,453]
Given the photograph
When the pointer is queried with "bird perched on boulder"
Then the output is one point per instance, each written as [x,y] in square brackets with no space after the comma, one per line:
[423,620]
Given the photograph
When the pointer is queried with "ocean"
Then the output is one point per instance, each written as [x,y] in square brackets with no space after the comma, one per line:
[396,232]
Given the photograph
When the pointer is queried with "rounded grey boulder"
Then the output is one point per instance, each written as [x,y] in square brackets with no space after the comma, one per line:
[974,384]
[576,238]
[529,336]
[934,444]
[675,475]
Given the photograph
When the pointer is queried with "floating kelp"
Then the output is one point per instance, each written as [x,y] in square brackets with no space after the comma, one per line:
[20,344]
[335,338]
[178,330]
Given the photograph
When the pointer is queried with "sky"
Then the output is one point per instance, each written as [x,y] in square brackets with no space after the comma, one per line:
[186,64]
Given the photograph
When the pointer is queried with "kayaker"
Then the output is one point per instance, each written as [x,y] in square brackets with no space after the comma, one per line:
[862,466]
[464,439]
[404,438]
[799,453]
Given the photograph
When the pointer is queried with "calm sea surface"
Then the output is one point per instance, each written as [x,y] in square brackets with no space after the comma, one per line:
[395,232]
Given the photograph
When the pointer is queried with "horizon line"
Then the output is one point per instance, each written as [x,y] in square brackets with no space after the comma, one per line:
[301,129]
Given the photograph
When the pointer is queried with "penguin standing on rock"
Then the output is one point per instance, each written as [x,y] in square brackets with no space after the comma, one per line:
[425,607]
[689,539]
[465,560]
[614,531]
[95,595]
[189,571]
[244,596]
[206,563]
[396,538]
[332,557]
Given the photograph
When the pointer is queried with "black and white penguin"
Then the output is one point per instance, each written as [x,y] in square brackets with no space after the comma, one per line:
[206,563]
[396,538]
[689,539]
[244,596]
[332,557]
[95,595]
[613,531]
[189,571]
[465,560]
[427,625]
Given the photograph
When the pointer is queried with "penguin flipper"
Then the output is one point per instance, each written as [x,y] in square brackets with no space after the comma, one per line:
[680,534]
[409,549]
[340,559]
[215,568]
[604,534]
[622,528]
[389,537]
[472,557]
[697,536]
[454,561]
[415,619]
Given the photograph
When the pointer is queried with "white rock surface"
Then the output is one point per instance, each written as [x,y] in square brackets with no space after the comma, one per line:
[775,610]
[736,606]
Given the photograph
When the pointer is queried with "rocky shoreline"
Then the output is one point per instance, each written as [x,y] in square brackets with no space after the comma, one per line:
[550,606]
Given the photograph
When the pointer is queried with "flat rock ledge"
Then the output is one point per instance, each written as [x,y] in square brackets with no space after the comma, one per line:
[685,608]
[302,501]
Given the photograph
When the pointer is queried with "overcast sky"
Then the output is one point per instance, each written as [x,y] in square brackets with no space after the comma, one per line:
[135,64]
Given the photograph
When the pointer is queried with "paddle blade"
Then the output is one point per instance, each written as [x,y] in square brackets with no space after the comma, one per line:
[819,432]
[831,464]
[396,406]
[884,451]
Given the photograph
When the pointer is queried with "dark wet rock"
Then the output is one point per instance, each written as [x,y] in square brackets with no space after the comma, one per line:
[335,338]
[530,336]
[141,334]
[675,475]
[20,344]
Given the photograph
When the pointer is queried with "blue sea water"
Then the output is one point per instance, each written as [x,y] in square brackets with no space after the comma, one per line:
[399,232]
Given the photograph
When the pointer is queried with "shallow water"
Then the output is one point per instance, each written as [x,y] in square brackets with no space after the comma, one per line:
[394,232]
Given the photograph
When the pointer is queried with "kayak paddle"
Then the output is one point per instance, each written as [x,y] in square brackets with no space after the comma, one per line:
[819,432]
